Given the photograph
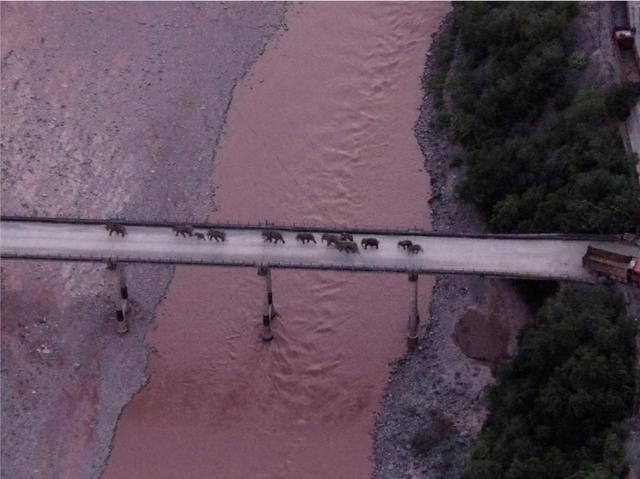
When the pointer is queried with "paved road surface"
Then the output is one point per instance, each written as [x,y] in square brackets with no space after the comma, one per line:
[511,257]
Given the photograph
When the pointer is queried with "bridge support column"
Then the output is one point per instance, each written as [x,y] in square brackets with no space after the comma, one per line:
[414,317]
[120,295]
[268,312]
[124,291]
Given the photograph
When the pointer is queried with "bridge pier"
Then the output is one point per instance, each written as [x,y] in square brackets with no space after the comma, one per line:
[414,317]
[268,312]
[124,291]
[120,294]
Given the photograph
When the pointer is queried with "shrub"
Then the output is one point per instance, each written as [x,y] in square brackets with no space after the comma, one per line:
[578,61]
[556,407]
[620,99]
[441,120]
[443,49]
[457,161]
[572,176]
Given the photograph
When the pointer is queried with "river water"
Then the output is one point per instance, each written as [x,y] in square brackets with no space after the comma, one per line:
[321,132]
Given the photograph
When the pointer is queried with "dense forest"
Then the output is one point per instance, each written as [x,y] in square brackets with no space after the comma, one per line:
[541,155]
[556,409]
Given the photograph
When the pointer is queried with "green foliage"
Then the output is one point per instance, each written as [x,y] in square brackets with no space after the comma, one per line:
[556,406]
[578,61]
[586,182]
[457,161]
[482,469]
[442,51]
[620,99]
[514,54]
[572,174]
[441,120]
[540,157]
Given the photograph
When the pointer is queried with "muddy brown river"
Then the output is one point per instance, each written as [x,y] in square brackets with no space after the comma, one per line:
[321,132]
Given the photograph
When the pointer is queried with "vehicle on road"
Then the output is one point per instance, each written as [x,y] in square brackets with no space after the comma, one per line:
[619,267]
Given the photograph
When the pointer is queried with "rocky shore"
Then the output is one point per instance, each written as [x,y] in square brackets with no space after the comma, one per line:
[434,404]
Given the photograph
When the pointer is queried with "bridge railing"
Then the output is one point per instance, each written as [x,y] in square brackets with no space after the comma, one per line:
[282,265]
[317,228]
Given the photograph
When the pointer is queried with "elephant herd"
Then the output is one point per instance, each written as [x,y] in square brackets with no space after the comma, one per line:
[342,242]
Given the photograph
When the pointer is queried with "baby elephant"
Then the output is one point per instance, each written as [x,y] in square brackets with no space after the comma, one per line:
[330,239]
[199,235]
[346,236]
[405,244]
[347,246]
[305,238]
[117,229]
[217,235]
[415,249]
[366,242]
[272,236]
[184,230]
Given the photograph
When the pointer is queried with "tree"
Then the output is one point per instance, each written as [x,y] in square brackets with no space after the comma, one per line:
[555,409]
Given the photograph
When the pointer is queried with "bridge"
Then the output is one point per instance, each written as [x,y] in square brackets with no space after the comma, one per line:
[550,256]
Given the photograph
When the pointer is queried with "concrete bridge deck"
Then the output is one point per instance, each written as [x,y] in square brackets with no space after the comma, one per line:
[546,257]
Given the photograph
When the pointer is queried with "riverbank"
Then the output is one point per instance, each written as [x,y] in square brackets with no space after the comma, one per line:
[434,406]
[103,113]
[423,429]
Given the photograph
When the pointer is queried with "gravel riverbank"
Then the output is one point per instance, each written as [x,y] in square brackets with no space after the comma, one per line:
[434,398]
[109,111]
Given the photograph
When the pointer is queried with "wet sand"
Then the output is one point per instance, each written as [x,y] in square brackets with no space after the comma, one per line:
[320,131]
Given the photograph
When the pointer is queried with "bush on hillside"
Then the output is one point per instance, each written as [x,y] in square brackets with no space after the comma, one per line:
[540,157]
[556,408]
[573,175]
[620,99]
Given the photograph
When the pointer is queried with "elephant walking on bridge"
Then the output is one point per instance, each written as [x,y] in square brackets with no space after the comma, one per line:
[272,236]
[118,229]
[217,235]
[184,230]
[347,246]
[330,239]
[366,242]
[306,238]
